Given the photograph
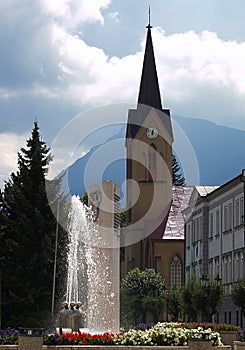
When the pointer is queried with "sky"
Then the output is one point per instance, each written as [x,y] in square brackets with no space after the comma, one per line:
[60,58]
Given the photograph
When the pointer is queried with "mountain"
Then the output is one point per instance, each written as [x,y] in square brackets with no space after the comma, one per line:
[218,149]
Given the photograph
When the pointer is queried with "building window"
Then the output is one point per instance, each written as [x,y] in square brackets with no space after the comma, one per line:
[210,268]
[225,218]
[188,235]
[242,267]
[196,230]
[229,270]
[229,216]
[225,270]
[211,226]
[217,223]
[241,211]
[175,273]
[237,212]
[216,266]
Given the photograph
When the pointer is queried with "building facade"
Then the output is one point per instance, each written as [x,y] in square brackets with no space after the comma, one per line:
[215,241]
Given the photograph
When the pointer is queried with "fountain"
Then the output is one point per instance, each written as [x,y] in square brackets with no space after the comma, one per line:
[92,296]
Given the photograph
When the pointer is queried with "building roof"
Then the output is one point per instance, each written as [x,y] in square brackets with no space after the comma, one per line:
[174,228]
[149,93]
[204,190]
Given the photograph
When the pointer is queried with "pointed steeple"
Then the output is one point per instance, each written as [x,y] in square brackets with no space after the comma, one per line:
[149,93]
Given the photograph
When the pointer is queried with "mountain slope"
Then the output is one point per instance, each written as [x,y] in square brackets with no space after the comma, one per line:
[219,151]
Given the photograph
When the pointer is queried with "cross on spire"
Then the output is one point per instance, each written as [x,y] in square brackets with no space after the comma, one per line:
[149,18]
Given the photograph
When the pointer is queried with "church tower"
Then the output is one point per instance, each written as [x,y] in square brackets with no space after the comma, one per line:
[149,139]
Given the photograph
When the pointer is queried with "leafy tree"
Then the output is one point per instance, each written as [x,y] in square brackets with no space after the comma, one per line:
[193,295]
[174,303]
[27,234]
[198,299]
[238,294]
[142,294]
[213,299]
[177,177]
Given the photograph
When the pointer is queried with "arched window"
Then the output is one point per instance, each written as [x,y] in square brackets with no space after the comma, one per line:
[145,167]
[152,163]
[175,273]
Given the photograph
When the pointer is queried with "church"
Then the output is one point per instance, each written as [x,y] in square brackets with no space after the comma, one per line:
[178,230]
[155,226]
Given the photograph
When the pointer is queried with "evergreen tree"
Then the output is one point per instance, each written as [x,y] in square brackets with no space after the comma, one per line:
[177,177]
[27,234]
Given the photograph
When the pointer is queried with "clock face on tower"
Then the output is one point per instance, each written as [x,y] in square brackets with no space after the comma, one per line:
[152,133]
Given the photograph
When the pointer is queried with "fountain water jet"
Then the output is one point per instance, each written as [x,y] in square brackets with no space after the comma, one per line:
[93,272]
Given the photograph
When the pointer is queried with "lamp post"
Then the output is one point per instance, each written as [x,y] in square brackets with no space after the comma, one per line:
[212,294]
[204,281]
[218,280]
[55,256]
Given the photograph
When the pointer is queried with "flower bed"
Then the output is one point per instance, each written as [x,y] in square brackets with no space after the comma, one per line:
[161,334]
[79,339]
[213,326]
[9,336]
[173,334]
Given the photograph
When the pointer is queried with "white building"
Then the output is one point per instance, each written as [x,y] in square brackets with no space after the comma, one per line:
[215,239]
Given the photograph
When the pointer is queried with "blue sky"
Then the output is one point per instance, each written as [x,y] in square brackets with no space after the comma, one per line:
[61,57]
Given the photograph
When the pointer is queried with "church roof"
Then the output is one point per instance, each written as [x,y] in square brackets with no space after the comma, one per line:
[149,93]
[174,228]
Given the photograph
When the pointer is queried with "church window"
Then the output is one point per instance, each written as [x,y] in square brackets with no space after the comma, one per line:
[158,264]
[145,167]
[152,163]
[175,273]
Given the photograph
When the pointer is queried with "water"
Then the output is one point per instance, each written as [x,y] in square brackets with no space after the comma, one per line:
[93,271]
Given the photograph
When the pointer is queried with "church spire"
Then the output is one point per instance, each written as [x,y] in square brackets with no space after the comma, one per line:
[149,93]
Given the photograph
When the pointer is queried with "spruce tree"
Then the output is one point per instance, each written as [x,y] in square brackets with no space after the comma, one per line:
[27,234]
[177,178]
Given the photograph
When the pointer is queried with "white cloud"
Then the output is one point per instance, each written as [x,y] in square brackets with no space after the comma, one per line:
[114,16]
[10,145]
[72,13]
[190,66]
[199,73]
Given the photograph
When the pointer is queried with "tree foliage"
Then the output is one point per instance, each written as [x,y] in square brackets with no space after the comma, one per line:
[174,303]
[213,299]
[192,298]
[142,294]
[27,234]
[177,177]
[198,299]
[238,294]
